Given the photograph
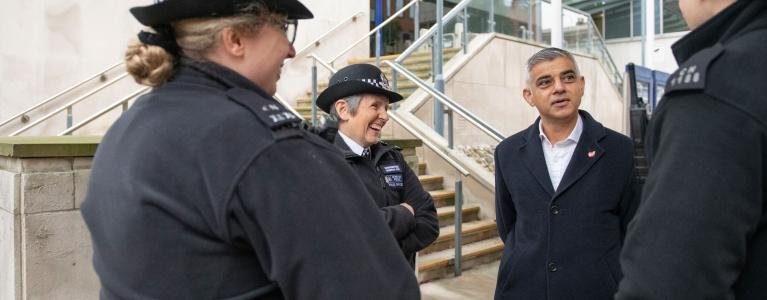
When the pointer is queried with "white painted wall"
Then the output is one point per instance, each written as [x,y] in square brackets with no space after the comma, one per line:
[49,45]
[629,50]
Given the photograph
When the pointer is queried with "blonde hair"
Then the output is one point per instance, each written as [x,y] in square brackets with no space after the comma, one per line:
[152,65]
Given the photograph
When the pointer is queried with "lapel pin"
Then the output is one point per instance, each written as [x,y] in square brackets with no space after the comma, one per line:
[591,154]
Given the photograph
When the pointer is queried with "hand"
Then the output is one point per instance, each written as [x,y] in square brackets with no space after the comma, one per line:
[410,208]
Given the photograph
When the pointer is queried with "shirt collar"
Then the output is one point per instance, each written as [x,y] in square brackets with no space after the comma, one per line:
[356,148]
[574,136]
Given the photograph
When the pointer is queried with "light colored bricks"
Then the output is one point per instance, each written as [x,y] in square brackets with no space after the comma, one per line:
[10,164]
[81,186]
[37,165]
[45,192]
[9,192]
[58,257]
[10,253]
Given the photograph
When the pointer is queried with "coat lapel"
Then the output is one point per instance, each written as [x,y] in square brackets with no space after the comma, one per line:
[586,154]
[531,153]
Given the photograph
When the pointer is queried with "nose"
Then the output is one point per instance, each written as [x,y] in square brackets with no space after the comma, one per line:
[384,115]
[291,52]
[559,86]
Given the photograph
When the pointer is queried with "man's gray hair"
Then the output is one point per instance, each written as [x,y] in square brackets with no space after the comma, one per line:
[548,54]
[352,102]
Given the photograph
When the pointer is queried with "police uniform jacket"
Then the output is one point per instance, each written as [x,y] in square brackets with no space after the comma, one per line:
[701,228]
[207,189]
[563,243]
[390,181]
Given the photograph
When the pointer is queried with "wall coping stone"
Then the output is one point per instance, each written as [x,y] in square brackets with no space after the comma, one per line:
[403,143]
[48,146]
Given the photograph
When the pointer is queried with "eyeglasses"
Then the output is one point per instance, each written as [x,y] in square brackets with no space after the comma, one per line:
[289,28]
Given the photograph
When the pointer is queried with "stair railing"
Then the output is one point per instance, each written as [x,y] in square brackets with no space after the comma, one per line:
[377,32]
[316,59]
[23,114]
[122,102]
[318,41]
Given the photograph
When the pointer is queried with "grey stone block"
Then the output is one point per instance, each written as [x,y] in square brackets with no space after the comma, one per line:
[81,186]
[9,192]
[58,257]
[10,164]
[45,192]
[10,254]
[38,165]
[82,163]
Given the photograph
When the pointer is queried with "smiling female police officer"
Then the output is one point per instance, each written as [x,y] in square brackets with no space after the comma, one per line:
[359,96]
[207,188]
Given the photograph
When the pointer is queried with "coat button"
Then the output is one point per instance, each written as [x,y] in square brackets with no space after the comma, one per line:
[553,267]
[555,209]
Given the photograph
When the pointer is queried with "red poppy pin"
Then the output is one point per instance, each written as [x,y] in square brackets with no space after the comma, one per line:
[591,154]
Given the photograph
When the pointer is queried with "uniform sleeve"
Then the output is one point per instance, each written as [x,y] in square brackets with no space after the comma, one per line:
[426,227]
[400,220]
[629,200]
[505,212]
[300,209]
[700,204]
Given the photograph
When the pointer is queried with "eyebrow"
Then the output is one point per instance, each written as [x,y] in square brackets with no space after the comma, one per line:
[566,72]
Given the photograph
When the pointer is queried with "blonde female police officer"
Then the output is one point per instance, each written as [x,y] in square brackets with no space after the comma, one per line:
[208,189]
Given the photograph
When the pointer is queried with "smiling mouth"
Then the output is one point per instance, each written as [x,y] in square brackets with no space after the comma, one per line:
[376,127]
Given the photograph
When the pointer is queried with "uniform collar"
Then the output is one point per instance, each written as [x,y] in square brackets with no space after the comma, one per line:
[718,29]
[221,74]
[353,146]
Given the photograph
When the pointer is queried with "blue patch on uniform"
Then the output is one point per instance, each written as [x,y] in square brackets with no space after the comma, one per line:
[394,180]
[391,169]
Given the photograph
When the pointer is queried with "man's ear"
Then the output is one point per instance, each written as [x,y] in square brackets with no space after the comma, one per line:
[342,108]
[528,96]
[231,42]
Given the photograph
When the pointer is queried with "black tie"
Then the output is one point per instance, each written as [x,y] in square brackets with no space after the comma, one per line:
[366,154]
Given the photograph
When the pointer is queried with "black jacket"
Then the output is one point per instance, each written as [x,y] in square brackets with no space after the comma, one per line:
[564,243]
[207,189]
[701,228]
[391,182]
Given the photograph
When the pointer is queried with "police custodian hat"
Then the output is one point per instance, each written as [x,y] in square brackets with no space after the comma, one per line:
[168,11]
[356,79]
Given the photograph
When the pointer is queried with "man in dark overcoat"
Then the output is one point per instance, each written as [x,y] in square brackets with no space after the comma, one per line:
[701,229]
[564,193]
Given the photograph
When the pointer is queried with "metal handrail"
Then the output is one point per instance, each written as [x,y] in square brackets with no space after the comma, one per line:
[610,62]
[67,90]
[426,36]
[70,104]
[445,100]
[286,104]
[322,62]
[316,42]
[384,23]
[394,115]
[104,111]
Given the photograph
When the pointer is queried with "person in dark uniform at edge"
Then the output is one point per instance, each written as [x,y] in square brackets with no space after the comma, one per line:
[207,188]
[359,97]
[565,192]
[701,228]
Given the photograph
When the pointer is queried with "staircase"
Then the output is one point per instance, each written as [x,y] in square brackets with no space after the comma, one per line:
[419,63]
[479,237]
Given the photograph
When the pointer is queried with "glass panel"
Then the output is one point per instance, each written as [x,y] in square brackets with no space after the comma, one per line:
[617,22]
[672,17]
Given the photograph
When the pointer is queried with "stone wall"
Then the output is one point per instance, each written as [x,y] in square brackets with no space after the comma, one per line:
[45,248]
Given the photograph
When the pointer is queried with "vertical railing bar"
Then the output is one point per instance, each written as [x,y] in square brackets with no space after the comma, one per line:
[314,92]
[464,38]
[458,225]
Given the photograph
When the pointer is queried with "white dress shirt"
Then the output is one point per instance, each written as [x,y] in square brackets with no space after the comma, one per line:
[558,155]
[356,148]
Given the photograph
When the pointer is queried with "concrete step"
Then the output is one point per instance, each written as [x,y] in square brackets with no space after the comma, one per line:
[440,264]
[443,198]
[473,231]
[422,168]
[446,214]
[431,182]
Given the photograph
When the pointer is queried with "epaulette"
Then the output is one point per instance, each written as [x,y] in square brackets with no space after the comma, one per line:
[692,74]
[270,112]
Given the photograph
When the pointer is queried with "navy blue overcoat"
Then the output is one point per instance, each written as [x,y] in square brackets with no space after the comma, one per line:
[564,243]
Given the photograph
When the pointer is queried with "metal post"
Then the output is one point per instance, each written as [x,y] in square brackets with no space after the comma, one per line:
[648,32]
[378,48]
[417,20]
[449,129]
[69,117]
[125,106]
[591,38]
[491,20]
[314,93]
[458,225]
[465,38]
[439,80]
[556,26]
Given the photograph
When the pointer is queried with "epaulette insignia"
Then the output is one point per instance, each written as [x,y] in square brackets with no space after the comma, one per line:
[269,111]
[692,74]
